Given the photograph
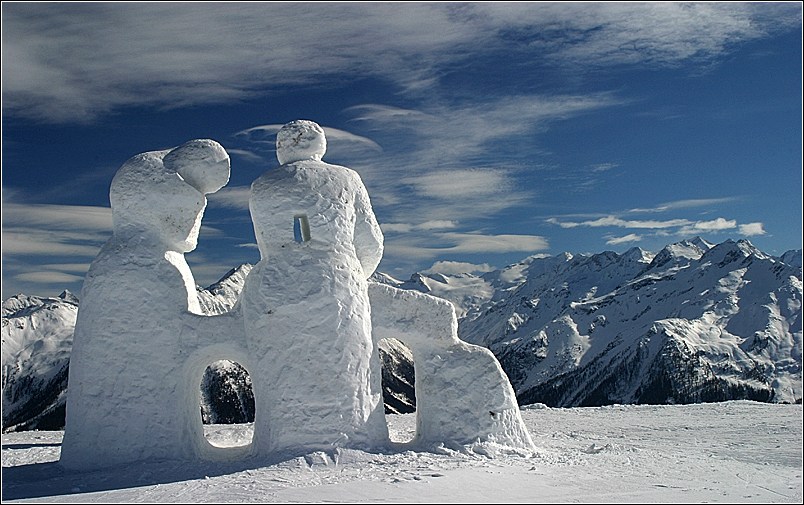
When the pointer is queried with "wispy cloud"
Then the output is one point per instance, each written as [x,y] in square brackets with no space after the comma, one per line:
[458,267]
[53,230]
[427,225]
[67,267]
[48,277]
[67,217]
[341,144]
[684,226]
[460,160]
[659,34]
[267,134]
[461,183]
[246,155]
[621,223]
[631,237]
[686,204]
[432,245]
[752,229]
[75,61]
[713,225]
[664,228]
[36,237]
[233,197]
[604,167]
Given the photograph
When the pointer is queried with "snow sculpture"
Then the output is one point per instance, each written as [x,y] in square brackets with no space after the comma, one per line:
[302,326]
[305,304]
[139,341]
[462,394]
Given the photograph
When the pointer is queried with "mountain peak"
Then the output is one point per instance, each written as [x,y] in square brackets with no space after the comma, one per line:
[681,252]
[731,250]
[638,254]
[68,296]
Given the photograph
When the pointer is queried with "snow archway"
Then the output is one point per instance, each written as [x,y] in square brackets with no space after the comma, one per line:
[216,446]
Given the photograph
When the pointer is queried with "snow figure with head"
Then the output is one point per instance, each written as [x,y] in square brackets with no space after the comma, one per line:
[305,304]
[463,397]
[128,393]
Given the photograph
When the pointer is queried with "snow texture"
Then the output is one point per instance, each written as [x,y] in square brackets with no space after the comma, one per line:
[302,327]
[731,452]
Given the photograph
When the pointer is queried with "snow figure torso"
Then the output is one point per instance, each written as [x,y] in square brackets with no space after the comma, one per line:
[306,310]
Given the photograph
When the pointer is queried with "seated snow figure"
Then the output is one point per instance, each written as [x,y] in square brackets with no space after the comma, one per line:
[463,397]
[128,395]
[305,304]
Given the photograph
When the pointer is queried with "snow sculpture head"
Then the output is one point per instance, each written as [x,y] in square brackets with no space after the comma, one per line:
[202,163]
[159,195]
[300,140]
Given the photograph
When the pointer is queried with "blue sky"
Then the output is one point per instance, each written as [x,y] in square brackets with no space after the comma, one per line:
[484,132]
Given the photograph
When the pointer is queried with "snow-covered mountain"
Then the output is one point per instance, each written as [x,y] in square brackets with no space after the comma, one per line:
[37,338]
[694,322]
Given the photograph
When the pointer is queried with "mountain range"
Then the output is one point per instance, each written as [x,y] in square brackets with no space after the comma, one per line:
[695,322]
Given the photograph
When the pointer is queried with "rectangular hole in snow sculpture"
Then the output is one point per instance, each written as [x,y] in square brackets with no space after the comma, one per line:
[301,228]
[227,404]
[398,389]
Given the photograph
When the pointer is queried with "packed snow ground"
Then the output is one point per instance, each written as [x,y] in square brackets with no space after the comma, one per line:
[728,452]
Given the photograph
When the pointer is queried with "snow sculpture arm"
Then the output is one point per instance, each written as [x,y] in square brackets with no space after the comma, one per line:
[368,238]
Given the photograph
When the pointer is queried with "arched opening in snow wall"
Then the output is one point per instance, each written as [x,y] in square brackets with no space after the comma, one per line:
[398,389]
[227,404]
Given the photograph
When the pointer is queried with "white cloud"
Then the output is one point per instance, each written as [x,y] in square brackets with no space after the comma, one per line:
[653,33]
[631,237]
[715,224]
[396,227]
[621,223]
[54,230]
[658,228]
[458,267]
[450,155]
[427,246]
[233,197]
[246,155]
[48,277]
[441,224]
[425,226]
[70,217]
[461,183]
[477,243]
[67,267]
[752,229]
[379,113]
[603,167]
[75,61]
[686,204]
[267,134]
[28,242]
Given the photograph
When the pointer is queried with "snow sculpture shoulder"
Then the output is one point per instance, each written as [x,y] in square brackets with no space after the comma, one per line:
[305,304]
[128,393]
